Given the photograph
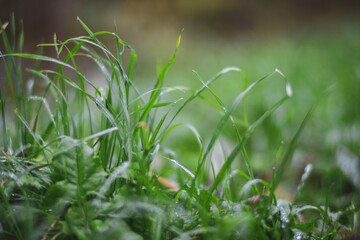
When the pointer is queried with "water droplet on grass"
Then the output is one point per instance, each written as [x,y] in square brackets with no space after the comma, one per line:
[288,90]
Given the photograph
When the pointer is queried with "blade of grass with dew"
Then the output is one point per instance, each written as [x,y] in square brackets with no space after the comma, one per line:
[159,82]
[203,88]
[40,74]
[94,38]
[292,145]
[98,103]
[187,171]
[64,109]
[220,124]
[168,130]
[26,125]
[156,227]
[249,186]
[157,105]
[82,97]
[80,45]
[10,50]
[240,146]
[49,59]
[10,214]
[227,180]
[120,85]
[50,84]
[81,41]
[7,69]
[8,76]
[37,57]
[224,110]
[221,106]
[289,152]
[12,67]
[99,134]
[191,98]
[19,62]
[198,139]
[219,128]
[304,177]
[107,150]
[122,74]
[154,134]
[131,64]
[47,108]
[3,121]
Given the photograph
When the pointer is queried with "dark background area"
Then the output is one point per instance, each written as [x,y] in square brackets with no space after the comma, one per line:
[224,19]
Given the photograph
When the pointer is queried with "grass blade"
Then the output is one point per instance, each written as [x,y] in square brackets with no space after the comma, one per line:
[3,121]
[157,87]
[292,145]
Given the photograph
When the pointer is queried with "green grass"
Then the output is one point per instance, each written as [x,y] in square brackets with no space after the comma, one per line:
[77,165]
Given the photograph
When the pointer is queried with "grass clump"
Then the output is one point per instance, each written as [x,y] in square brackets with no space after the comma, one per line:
[77,165]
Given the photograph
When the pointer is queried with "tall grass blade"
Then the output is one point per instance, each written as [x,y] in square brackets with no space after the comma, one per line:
[3,121]
[240,146]
[221,125]
[157,87]
[292,145]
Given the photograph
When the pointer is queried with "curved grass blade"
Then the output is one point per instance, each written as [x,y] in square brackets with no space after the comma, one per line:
[27,126]
[179,165]
[99,134]
[292,145]
[47,107]
[203,88]
[37,57]
[249,185]
[240,146]
[159,125]
[221,125]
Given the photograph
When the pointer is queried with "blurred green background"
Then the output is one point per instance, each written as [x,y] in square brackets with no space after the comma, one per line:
[315,44]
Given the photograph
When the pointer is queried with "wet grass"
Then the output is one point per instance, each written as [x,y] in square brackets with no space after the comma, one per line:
[78,165]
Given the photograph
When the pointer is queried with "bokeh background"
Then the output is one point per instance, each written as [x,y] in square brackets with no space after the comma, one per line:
[315,44]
